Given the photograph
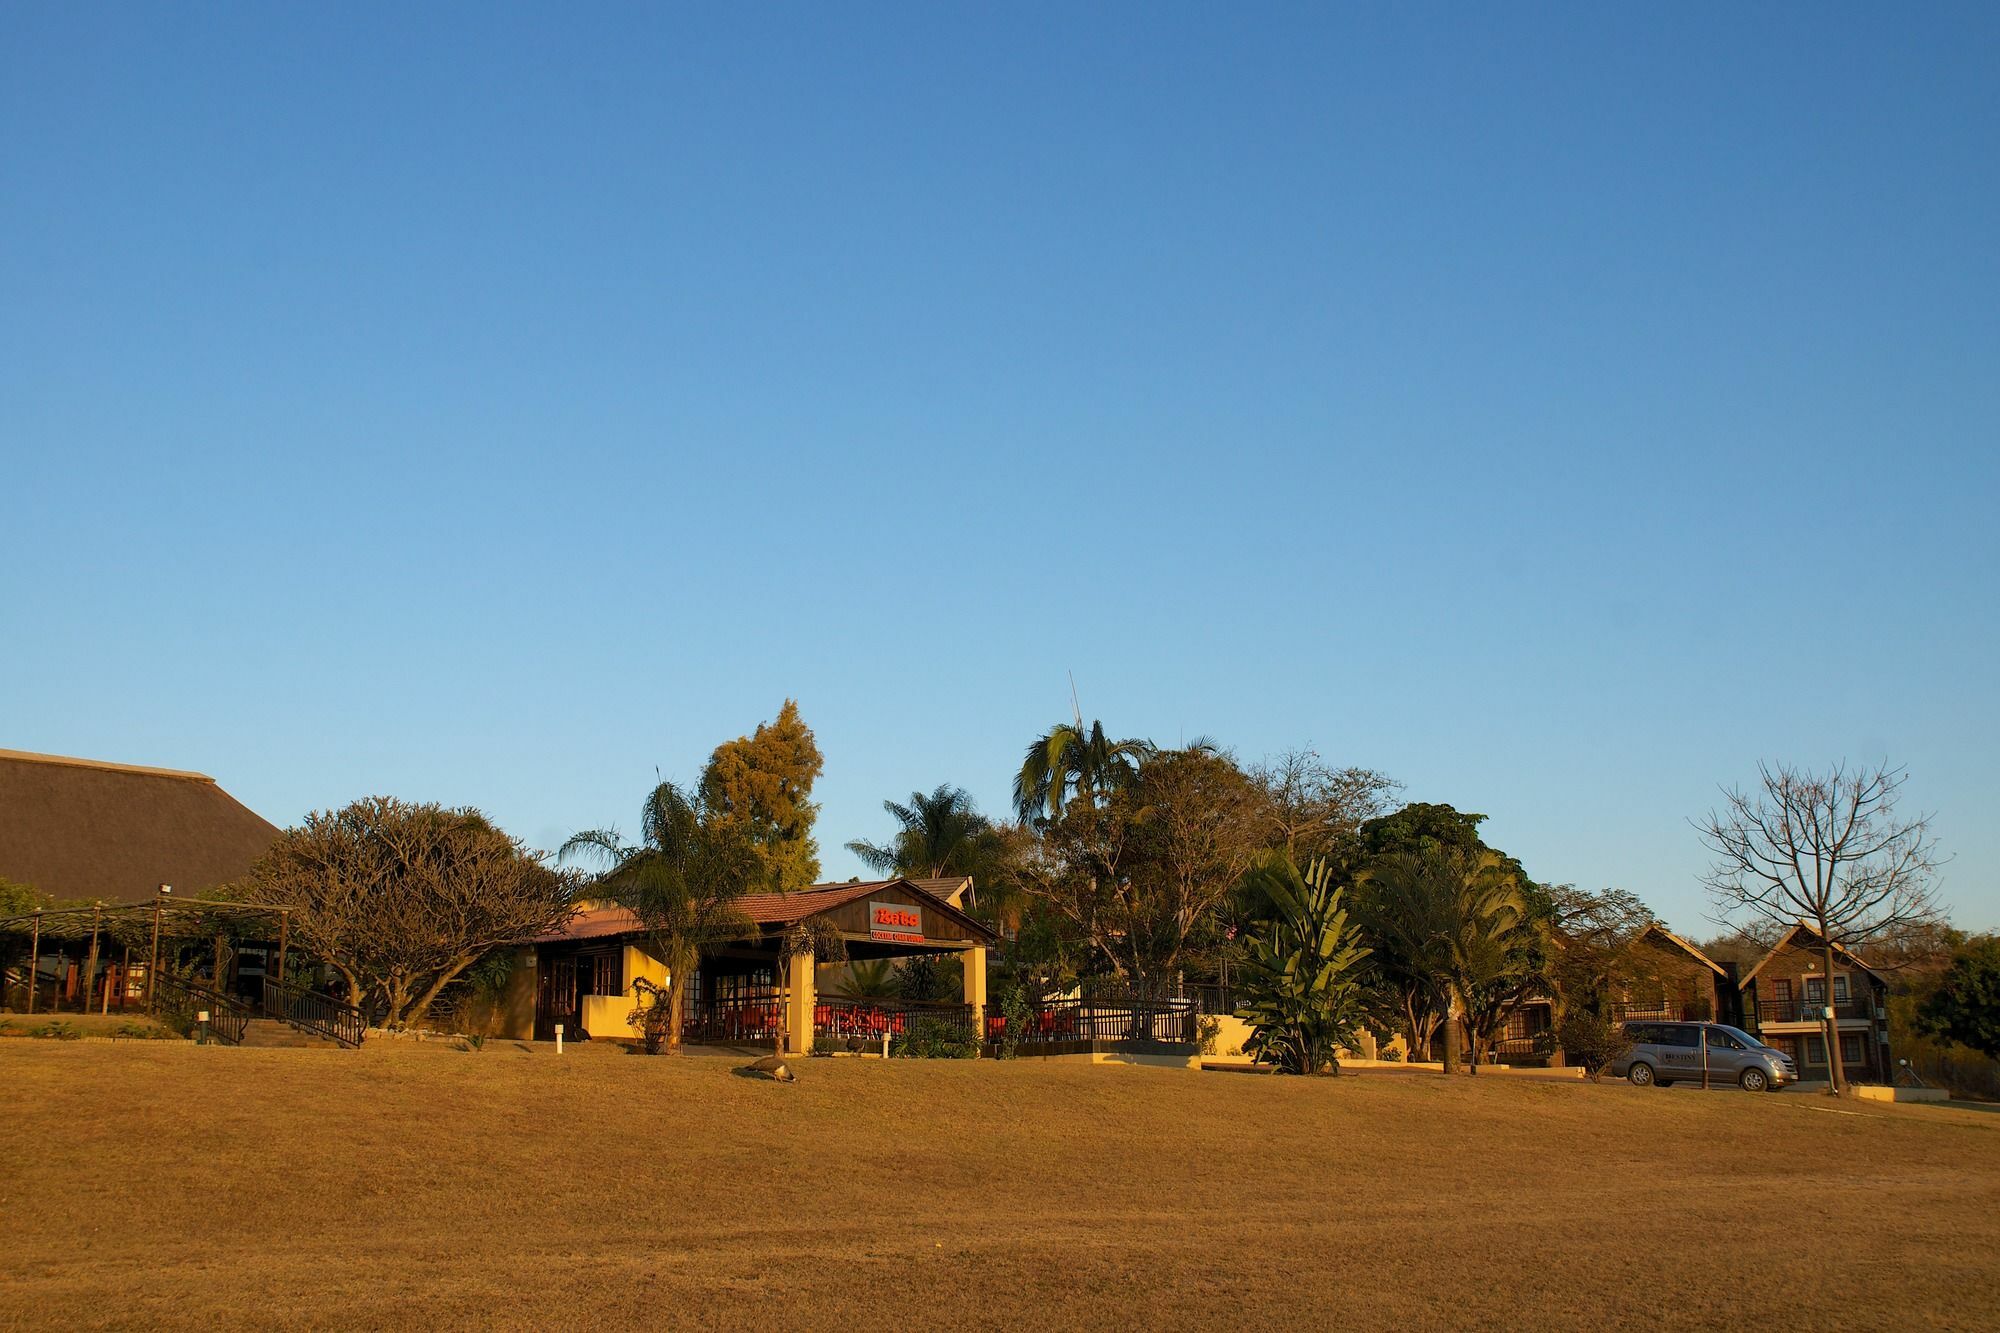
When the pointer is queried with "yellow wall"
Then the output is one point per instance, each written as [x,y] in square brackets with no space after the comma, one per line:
[607,1015]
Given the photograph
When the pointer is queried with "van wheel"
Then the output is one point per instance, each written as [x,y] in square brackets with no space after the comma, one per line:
[1641,1075]
[1755,1080]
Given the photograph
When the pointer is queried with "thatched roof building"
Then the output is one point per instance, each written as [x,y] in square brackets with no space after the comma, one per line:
[83,829]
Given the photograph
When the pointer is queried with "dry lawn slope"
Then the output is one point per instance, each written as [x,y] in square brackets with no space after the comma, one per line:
[397,1186]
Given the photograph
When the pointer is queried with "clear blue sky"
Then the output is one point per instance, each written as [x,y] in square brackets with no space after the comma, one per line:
[1560,410]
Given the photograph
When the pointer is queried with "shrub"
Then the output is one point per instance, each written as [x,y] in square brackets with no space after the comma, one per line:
[933,1039]
[1207,1027]
[1015,1016]
[825,1043]
[131,1030]
[1592,1041]
[1389,1055]
[57,1031]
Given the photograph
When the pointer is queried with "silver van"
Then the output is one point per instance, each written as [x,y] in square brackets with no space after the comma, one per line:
[1666,1053]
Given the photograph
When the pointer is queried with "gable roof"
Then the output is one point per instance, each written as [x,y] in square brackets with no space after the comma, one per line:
[84,828]
[1657,929]
[766,910]
[1814,937]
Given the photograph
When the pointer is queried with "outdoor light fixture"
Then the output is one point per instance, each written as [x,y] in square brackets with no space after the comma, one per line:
[166,888]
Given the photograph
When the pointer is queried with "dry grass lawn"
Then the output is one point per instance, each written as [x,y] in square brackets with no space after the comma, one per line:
[400,1186]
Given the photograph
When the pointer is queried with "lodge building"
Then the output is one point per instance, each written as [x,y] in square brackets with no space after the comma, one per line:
[584,975]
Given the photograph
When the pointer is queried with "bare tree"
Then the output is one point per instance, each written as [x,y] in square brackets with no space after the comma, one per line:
[1826,850]
[1310,806]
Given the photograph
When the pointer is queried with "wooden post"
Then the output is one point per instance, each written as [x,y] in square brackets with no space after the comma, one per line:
[35,960]
[90,959]
[153,968]
[284,938]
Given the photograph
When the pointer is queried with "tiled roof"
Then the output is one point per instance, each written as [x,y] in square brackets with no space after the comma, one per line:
[763,909]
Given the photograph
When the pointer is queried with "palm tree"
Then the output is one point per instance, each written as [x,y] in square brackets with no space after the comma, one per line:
[682,881]
[940,834]
[1072,761]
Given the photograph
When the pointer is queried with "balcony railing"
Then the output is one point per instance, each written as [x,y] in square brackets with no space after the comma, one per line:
[1810,1011]
[1664,1011]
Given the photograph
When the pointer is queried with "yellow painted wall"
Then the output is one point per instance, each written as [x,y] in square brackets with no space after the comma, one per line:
[606,1016]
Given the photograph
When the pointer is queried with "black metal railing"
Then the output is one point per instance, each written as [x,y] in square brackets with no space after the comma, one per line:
[1102,1020]
[312,1012]
[736,1019]
[1664,1011]
[181,1002]
[872,1019]
[1809,1011]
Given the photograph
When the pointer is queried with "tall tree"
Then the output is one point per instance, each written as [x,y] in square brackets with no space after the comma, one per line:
[682,881]
[1965,1007]
[1826,849]
[761,785]
[1312,808]
[400,899]
[1455,925]
[1593,950]
[1137,868]
[1073,761]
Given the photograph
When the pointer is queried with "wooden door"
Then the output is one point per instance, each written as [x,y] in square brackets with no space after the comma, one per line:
[556,999]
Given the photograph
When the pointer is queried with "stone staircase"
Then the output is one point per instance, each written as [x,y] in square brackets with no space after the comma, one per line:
[269,1032]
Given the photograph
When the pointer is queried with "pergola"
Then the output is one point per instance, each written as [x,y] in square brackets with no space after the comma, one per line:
[138,924]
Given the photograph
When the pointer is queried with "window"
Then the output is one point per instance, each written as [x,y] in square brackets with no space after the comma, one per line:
[1680,1034]
[1722,1041]
[1781,990]
[1816,989]
[1788,1046]
[1853,1048]
[1840,988]
[1815,1050]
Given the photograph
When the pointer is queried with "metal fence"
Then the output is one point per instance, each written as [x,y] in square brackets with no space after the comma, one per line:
[1171,1020]
[872,1019]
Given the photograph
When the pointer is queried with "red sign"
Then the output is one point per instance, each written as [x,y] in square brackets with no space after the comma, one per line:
[894,921]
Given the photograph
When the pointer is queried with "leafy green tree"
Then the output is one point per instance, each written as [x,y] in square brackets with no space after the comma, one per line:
[1965,1007]
[1140,869]
[1072,762]
[1592,1040]
[1458,926]
[682,881]
[18,899]
[761,785]
[1298,986]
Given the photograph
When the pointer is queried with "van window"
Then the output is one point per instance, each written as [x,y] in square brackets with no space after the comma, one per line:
[1722,1041]
[1681,1034]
